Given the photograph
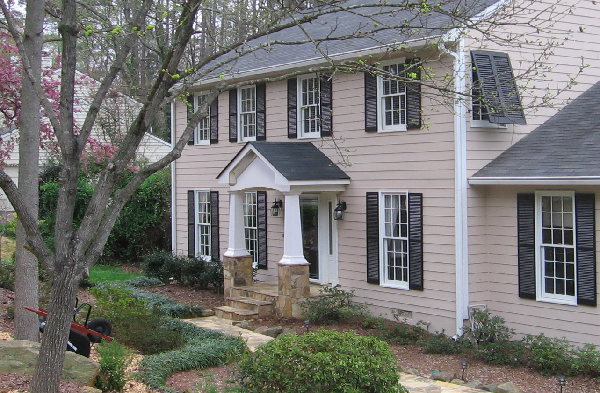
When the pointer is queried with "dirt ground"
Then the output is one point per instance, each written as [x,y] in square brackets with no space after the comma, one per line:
[222,379]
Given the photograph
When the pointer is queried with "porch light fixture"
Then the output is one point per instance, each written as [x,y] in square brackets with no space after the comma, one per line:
[463,366]
[562,380]
[276,208]
[338,212]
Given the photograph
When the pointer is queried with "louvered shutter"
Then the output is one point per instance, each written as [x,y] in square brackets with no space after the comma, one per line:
[372,218]
[214,121]
[233,118]
[526,245]
[325,93]
[190,113]
[500,94]
[585,209]
[214,225]
[261,107]
[415,240]
[413,94]
[292,103]
[261,223]
[191,205]
[370,102]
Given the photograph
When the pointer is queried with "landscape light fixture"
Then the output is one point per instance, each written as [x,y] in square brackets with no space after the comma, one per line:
[276,208]
[338,212]
[463,366]
[562,380]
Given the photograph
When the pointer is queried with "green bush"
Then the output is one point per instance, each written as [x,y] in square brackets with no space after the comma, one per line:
[333,305]
[114,359]
[441,344]
[550,356]
[202,349]
[587,360]
[323,362]
[7,275]
[510,353]
[486,327]
[165,305]
[142,281]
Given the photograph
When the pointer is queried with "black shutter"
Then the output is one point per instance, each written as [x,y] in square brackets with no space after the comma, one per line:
[500,94]
[190,104]
[292,102]
[261,107]
[415,240]
[261,223]
[585,209]
[325,93]
[214,226]
[191,199]
[372,237]
[233,120]
[526,245]
[413,93]
[370,102]
[214,121]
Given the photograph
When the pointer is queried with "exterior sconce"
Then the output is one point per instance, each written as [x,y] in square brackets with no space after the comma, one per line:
[338,212]
[463,366]
[562,380]
[276,208]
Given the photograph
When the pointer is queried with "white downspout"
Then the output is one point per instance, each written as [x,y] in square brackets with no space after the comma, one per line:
[173,187]
[460,183]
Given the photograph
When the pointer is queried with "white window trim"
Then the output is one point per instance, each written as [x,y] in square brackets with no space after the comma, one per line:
[255,228]
[381,127]
[300,113]
[197,140]
[197,225]
[240,114]
[540,295]
[384,282]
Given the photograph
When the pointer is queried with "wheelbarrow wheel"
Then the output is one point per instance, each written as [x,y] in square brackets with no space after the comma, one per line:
[101,326]
[78,343]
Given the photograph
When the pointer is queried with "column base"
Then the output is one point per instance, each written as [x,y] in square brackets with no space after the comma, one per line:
[237,272]
[294,286]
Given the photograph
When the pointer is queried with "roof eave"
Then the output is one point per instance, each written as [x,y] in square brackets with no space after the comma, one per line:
[536,181]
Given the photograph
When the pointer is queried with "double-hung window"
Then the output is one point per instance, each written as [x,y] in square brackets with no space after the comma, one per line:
[202,131]
[247,113]
[203,224]
[207,129]
[393,97]
[309,115]
[310,106]
[395,239]
[556,247]
[251,225]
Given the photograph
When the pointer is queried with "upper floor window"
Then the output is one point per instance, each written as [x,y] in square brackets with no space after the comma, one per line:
[247,113]
[206,131]
[310,106]
[202,132]
[495,93]
[393,98]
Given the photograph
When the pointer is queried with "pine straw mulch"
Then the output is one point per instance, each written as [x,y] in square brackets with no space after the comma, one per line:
[221,379]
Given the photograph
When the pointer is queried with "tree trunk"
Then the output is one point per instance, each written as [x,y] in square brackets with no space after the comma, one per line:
[26,264]
[46,378]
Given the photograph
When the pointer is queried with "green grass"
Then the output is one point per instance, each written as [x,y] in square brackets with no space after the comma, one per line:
[105,273]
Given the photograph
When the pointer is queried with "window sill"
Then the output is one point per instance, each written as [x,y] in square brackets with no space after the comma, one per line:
[313,135]
[403,287]
[486,124]
[564,302]
[202,143]
[390,129]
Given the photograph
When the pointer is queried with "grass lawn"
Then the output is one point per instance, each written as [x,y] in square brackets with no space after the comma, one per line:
[103,273]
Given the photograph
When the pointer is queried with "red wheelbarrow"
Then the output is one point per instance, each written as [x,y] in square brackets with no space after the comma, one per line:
[82,334]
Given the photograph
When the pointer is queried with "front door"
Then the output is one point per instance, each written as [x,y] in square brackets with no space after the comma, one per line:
[319,234]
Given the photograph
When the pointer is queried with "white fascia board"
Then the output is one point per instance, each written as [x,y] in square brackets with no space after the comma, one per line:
[537,181]
[454,34]
[241,162]
[313,62]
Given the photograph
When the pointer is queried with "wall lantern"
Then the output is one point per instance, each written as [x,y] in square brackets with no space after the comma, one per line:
[276,208]
[338,212]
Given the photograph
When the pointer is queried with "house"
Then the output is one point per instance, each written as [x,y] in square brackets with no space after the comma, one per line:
[416,200]
[115,116]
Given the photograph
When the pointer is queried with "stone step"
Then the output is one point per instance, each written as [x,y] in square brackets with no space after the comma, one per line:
[235,314]
[264,308]
[254,294]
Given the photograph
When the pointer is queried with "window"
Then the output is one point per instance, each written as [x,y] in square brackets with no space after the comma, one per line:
[255,226]
[310,106]
[395,239]
[247,113]
[393,99]
[557,247]
[203,224]
[206,131]
[496,95]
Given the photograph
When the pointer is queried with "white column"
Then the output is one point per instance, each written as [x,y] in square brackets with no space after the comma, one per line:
[237,242]
[293,253]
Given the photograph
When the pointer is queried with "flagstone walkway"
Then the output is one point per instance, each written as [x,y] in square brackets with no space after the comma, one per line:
[414,383]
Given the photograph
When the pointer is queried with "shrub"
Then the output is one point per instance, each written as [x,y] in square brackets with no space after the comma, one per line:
[441,344]
[114,359]
[510,353]
[7,275]
[550,356]
[333,305]
[323,362]
[165,305]
[587,360]
[142,281]
[486,327]
[203,348]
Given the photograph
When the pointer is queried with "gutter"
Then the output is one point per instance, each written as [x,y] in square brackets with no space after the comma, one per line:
[461,236]
[173,188]
[537,181]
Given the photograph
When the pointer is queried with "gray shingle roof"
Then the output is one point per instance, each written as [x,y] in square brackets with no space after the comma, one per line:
[299,161]
[363,24]
[566,146]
